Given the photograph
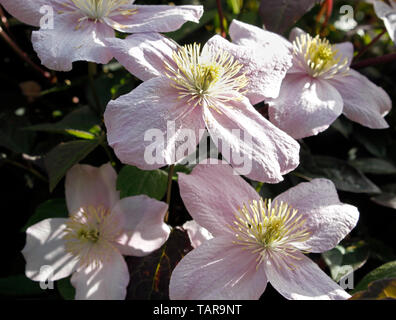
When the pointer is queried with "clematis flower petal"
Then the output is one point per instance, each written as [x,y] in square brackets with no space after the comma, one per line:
[327,219]
[364,102]
[346,50]
[143,54]
[58,48]
[154,105]
[306,281]
[27,11]
[217,270]
[106,281]
[387,14]
[144,229]
[254,146]
[212,205]
[155,18]
[265,63]
[90,186]
[44,252]
[196,233]
[306,106]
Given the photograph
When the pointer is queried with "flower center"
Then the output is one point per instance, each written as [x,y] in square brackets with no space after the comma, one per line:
[319,57]
[205,76]
[269,229]
[90,233]
[97,10]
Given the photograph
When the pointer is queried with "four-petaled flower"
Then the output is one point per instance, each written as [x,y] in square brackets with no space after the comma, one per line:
[100,229]
[319,86]
[256,241]
[190,89]
[74,30]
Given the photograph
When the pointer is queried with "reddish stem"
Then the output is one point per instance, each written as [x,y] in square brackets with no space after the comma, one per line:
[366,48]
[23,55]
[221,16]
[375,61]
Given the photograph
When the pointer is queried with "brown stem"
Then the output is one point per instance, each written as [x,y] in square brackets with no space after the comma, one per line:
[366,48]
[169,191]
[221,16]
[375,61]
[23,55]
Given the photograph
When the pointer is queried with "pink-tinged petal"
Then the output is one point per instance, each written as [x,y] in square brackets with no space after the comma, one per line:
[295,33]
[143,54]
[86,185]
[155,18]
[106,281]
[265,64]
[27,11]
[196,233]
[144,229]
[151,127]
[58,48]
[213,205]
[305,106]
[346,50]
[364,102]
[388,15]
[250,143]
[217,270]
[327,219]
[305,281]
[249,35]
[45,253]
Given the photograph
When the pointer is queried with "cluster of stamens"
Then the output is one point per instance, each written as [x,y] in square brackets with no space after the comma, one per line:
[97,10]
[268,229]
[205,76]
[90,233]
[319,57]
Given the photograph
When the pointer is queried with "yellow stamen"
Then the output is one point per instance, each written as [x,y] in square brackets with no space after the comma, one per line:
[203,77]
[268,229]
[90,234]
[319,57]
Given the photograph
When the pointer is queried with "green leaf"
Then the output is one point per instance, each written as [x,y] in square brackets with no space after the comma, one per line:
[19,285]
[132,181]
[386,200]
[344,176]
[378,290]
[190,27]
[78,123]
[60,159]
[53,208]
[386,271]
[12,135]
[278,16]
[343,260]
[374,166]
[150,275]
[65,288]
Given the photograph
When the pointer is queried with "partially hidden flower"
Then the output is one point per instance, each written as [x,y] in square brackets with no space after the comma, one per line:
[387,12]
[196,234]
[188,90]
[101,228]
[320,86]
[257,241]
[74,30]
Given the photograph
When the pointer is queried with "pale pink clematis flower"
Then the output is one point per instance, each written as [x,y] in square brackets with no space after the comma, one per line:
[74,30]
[90,243]
[257,241]
[387,12]
[187,90]
[320,86]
